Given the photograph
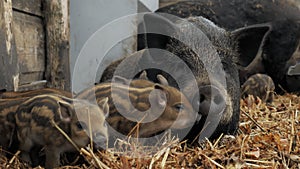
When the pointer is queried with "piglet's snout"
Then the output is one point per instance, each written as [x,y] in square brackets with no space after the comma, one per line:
[99,140]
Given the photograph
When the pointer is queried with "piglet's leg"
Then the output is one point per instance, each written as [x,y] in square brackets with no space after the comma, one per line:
[34,155]
[26,157]
[52,157]
[25,148]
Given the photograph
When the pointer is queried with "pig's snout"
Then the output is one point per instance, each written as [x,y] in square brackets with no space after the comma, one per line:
[211,100]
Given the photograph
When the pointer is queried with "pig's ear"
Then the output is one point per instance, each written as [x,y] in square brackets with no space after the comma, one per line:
[154,31]
[103,104]
[294,70]
[65,111]
[251,41]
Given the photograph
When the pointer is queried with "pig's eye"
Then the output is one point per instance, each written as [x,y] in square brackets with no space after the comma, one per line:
[81,125]
[179,107]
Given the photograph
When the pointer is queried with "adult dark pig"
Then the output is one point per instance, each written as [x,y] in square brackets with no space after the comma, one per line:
[199,46]
[279,45]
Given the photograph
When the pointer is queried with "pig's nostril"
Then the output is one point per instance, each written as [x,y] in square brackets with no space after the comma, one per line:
[202,98]
[218,99]
[211,100]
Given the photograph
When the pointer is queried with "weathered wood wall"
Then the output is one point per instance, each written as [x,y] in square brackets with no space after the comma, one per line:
[34,42]
[8,58]
[28,29]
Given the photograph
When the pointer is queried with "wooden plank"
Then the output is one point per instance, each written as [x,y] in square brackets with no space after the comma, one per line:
[8,58]
[30,42]
[33,86]
[27,78]
[28,6]
[57,43]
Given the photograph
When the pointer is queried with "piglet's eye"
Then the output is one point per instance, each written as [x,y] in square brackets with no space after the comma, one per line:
[81,125]
[179,107]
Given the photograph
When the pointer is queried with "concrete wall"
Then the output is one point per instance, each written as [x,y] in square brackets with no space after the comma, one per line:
[152,5]
[98,28]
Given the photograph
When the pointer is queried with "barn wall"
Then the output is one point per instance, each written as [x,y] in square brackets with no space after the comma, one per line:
[57,30]
[8,63]
[88,17]
[28,30]
[152,5]
[34,44]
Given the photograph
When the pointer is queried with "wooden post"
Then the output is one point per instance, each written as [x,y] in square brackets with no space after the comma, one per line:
[57,43]
[8,55]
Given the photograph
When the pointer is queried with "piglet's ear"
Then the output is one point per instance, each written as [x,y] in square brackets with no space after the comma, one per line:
[103,104]
[65,111]
[162,80]
[121,80]
[159,96]
[144,75]
[251,41]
